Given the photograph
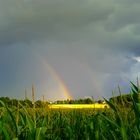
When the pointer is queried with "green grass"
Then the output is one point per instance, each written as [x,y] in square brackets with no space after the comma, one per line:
[116,123]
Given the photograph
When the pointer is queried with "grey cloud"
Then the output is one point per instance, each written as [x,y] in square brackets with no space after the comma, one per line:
[25,21]
[127,2]
[123,16]
[90,43]
[96,71]
[136,29]
[95,21]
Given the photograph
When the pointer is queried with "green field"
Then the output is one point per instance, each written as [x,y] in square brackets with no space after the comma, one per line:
[115,123]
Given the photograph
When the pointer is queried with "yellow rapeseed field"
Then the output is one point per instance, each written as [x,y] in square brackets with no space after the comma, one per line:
[78,106]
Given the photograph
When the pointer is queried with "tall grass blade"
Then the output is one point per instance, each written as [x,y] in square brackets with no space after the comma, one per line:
[111,105]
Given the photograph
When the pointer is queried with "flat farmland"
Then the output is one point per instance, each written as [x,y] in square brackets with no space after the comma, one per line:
[78,106]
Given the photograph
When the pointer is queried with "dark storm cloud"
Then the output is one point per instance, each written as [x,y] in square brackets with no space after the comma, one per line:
[100,22]
[76,36]
[28,20]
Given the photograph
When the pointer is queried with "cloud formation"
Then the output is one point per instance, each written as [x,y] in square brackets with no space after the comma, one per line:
[91,44]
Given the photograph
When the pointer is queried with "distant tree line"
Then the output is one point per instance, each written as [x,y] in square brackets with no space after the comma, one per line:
[76,101]
[79,101]
[28,103]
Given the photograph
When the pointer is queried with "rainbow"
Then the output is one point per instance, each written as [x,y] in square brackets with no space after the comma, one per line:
[56,77]
[61,84]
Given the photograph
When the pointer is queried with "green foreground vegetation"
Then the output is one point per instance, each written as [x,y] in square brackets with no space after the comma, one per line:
[120,122]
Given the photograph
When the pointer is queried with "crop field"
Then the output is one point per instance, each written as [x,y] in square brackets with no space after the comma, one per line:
[117,122]
[78,106]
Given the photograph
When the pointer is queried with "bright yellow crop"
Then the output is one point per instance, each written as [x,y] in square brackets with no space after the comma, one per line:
[78,106]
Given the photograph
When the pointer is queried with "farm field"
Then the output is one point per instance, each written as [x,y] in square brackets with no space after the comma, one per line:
[59,122]
[78,106]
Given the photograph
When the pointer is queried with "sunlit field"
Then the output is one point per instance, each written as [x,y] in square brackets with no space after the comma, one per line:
[115,120]
[78,106]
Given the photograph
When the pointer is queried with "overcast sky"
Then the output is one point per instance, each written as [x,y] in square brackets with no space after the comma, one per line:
[93,45]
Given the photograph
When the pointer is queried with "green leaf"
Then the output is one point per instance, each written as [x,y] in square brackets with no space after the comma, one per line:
[2,103]
[111,105]
[40,133]
[30,123]
[13,120]
[110,121]
[15,139]
[135,87]
[6,134]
